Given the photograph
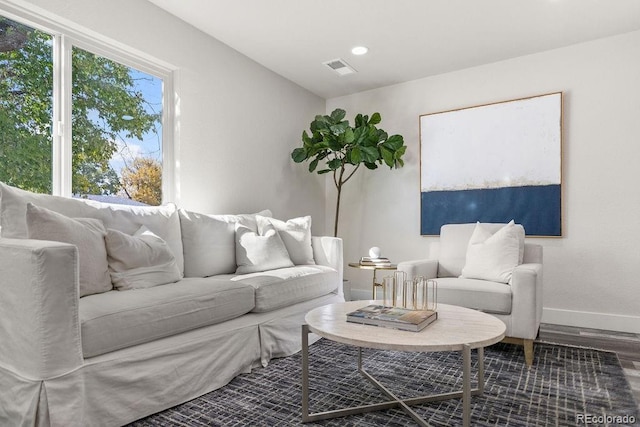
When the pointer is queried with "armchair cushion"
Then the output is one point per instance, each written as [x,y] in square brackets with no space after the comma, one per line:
[453,249]
[483,295]
[493,256]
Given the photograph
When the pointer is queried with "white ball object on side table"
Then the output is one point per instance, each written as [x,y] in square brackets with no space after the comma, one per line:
[374,252]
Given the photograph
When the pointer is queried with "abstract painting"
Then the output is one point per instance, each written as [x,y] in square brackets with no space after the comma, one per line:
[493,163]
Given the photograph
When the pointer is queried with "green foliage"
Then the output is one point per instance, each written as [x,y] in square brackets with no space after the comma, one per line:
[334,145]
[103,102]
[26,81]
[335,141]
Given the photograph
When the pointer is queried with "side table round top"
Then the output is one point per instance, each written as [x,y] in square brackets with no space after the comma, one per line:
[454,328]
[373,267]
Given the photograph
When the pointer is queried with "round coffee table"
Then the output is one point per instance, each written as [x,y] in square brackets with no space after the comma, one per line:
[457,329]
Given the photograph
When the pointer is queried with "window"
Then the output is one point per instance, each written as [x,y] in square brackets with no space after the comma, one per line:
[91,129]
[117,130]
[26,86]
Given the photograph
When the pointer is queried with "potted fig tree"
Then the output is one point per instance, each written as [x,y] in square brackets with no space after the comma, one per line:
[336,147]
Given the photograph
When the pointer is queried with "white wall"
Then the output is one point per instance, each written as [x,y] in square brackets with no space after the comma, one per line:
[238,122]
[591,274]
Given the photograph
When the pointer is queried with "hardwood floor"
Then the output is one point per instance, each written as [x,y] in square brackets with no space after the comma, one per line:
[626,345]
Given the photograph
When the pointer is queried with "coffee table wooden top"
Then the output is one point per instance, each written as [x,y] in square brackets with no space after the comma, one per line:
[455,327]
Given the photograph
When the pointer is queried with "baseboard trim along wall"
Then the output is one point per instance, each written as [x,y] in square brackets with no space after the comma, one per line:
[586,319]
[555,316]
[359,294]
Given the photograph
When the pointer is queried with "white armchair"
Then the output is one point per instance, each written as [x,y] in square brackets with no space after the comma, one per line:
[518,303]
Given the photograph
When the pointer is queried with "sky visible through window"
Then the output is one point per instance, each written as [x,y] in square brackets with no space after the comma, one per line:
[151,144]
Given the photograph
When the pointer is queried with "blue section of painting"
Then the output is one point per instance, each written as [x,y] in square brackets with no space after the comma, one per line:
[536,207]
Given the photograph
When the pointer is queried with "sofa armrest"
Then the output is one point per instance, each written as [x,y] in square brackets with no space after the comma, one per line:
[39,323]
[427,268]
[526,303]
[328,251]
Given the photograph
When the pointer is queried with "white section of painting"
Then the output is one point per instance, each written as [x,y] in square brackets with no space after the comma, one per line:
[508,144]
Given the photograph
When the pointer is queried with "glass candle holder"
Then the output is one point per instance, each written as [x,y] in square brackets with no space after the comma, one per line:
[419,284]
[388,291]
[408,294]
[422,294]
[431,295]
[399,278]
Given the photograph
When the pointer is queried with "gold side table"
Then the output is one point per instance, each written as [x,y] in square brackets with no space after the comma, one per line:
[375,268]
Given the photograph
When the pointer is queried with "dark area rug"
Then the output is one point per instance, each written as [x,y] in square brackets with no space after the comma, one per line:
[566,386]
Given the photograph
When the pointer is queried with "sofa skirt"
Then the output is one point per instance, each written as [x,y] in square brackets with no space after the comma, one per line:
[122,386]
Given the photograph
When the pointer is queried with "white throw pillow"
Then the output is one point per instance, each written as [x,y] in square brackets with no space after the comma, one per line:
[260,251]
[140,261]
[162,220]
[492,256]
[86,234]
[296,235]
[209,241]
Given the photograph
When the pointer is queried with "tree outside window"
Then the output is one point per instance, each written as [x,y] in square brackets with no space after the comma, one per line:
[116,120]
[26,82]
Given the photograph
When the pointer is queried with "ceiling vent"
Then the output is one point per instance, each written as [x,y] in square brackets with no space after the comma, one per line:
[340,67]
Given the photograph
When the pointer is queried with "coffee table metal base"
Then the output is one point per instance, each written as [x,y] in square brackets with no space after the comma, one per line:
[395,401]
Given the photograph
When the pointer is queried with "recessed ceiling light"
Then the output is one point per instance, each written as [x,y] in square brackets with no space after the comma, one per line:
[359,50]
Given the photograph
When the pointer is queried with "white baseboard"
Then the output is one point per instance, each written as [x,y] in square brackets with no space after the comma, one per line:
[585,319]
[360,294]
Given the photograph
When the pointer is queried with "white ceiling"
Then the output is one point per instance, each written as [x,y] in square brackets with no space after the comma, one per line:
[407,39]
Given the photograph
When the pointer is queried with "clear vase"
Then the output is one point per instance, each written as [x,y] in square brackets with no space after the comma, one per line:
[388,291]
[399,277]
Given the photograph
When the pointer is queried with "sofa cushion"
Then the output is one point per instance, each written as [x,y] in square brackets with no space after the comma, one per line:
[493,256]
[260,250]
[86,234]
[140,261]
[483,295]
[296,235]
[210,241]
[116,320]
[161,220]
[287,286]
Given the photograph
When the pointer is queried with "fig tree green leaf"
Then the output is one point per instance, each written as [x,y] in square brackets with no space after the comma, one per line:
[299,155]
[342,148]
[387,155]
[338,114]
[313,165]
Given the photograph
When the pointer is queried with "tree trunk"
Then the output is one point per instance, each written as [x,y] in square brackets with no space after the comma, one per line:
[335,228]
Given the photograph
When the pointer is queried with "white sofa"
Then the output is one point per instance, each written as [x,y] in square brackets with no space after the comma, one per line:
[109,358]
[518,303]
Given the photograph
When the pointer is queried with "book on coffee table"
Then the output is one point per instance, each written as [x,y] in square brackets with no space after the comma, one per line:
[393,317]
